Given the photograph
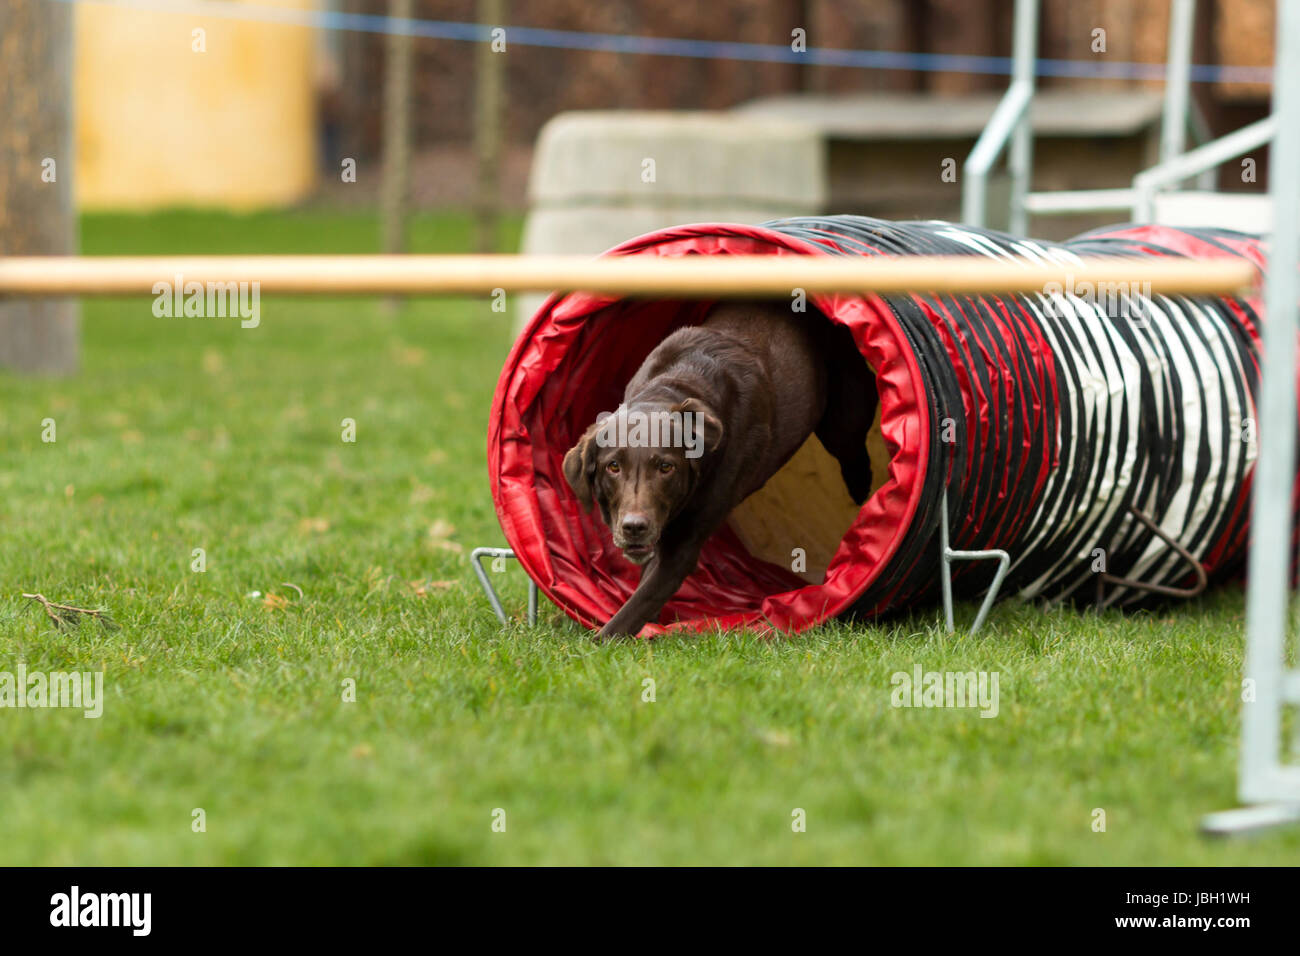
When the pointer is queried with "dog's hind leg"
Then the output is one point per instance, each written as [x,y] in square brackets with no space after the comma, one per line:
[851,401]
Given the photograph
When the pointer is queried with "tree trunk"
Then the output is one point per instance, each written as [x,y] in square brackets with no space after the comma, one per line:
[489,108]
[36,211]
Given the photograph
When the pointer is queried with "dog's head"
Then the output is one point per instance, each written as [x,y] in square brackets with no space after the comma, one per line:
[640,465]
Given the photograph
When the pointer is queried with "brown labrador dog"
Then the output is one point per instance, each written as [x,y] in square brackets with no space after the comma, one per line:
[714,411]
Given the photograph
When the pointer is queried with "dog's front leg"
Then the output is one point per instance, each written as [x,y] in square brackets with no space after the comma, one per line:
[662,577]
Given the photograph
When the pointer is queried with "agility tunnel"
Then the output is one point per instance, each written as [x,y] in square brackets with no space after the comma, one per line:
[1093,433]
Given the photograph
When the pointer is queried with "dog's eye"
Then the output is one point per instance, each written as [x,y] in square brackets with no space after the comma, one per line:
[666,467]
[612,468]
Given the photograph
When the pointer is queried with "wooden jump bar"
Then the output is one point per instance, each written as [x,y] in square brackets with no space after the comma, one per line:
[670,277]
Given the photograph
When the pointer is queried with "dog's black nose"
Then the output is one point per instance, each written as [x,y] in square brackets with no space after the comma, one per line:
[635,526]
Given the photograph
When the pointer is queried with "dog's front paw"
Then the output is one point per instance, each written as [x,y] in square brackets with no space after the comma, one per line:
[618,630]
[606,636]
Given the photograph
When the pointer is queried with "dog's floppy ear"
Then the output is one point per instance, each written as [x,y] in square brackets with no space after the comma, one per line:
[705,424]
[580,468]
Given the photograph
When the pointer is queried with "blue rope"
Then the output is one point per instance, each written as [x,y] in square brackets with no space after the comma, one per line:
[681,47]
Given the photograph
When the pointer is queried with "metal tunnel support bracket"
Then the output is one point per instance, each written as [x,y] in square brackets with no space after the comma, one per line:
[476,559]
[947,556]
[1190,559]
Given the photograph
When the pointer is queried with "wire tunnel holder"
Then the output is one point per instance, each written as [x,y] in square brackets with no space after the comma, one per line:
[1202,579]
[476,559]
[947,556]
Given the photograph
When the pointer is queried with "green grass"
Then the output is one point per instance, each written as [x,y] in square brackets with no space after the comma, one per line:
[193,433]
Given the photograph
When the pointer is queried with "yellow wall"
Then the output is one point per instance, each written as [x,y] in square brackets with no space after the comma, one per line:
[159,124]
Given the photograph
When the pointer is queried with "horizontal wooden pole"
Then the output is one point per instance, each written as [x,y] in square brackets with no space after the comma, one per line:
[665,277]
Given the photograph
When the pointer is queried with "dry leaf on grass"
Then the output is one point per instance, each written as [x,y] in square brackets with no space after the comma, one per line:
[422,588]
[409,355]
[440,533]
[422,494]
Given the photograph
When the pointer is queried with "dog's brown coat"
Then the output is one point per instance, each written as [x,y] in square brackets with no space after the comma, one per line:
[763,378]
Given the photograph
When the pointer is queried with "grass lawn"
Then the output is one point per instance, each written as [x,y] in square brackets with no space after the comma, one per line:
[194,433]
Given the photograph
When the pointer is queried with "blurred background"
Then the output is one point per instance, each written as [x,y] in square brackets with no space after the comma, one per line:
[578,125]
[268,113]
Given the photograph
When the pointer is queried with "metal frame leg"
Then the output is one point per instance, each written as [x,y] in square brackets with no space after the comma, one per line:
[1269,786]
[1173,126]
[947,556]
[476,559]
[1248,820]
[1010,121]
[1020,160]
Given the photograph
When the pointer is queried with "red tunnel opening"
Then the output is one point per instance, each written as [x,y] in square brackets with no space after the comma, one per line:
[572,362]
